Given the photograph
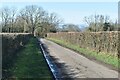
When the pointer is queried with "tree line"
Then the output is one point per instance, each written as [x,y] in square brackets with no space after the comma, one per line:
[34,19]
[30,19]
[100,23]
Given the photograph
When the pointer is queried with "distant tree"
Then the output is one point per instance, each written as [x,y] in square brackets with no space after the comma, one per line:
[5,18]
[8,19]
[70,28]
[99,23]
[54,21]
[20,25]
[12,19]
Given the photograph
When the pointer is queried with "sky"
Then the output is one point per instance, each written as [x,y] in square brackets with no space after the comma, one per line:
[72,12]
[59,0]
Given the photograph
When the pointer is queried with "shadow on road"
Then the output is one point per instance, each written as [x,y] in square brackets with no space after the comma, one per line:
[64,71]
[61,68]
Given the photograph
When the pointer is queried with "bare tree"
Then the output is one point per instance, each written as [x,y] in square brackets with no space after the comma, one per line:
[96,22]
[54,20]
[12,17]
[33,15]
[5,18]
[29,19]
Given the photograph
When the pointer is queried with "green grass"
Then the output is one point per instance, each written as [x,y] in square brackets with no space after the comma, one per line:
[31,64]
[103,57]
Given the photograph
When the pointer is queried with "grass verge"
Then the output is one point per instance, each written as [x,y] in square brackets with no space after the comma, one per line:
[31,64]
[103,57]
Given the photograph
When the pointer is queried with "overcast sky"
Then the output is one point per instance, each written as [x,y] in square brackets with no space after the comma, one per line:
[72,12]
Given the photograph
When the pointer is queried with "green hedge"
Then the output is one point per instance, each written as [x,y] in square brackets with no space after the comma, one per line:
[11,43]
[105,42]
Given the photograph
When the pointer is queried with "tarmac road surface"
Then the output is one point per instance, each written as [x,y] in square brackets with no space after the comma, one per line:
[74,65]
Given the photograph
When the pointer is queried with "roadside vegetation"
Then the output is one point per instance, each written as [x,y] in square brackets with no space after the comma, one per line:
[12,43]
[31,64]
[108,59]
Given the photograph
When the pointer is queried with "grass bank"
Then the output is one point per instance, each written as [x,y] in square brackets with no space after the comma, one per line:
[31,64]
[102,57]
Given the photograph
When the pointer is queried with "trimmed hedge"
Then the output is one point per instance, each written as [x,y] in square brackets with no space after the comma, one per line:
[11,43]
[105,42]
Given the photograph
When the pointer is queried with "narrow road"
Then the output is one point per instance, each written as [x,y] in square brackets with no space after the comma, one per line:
[74,65]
